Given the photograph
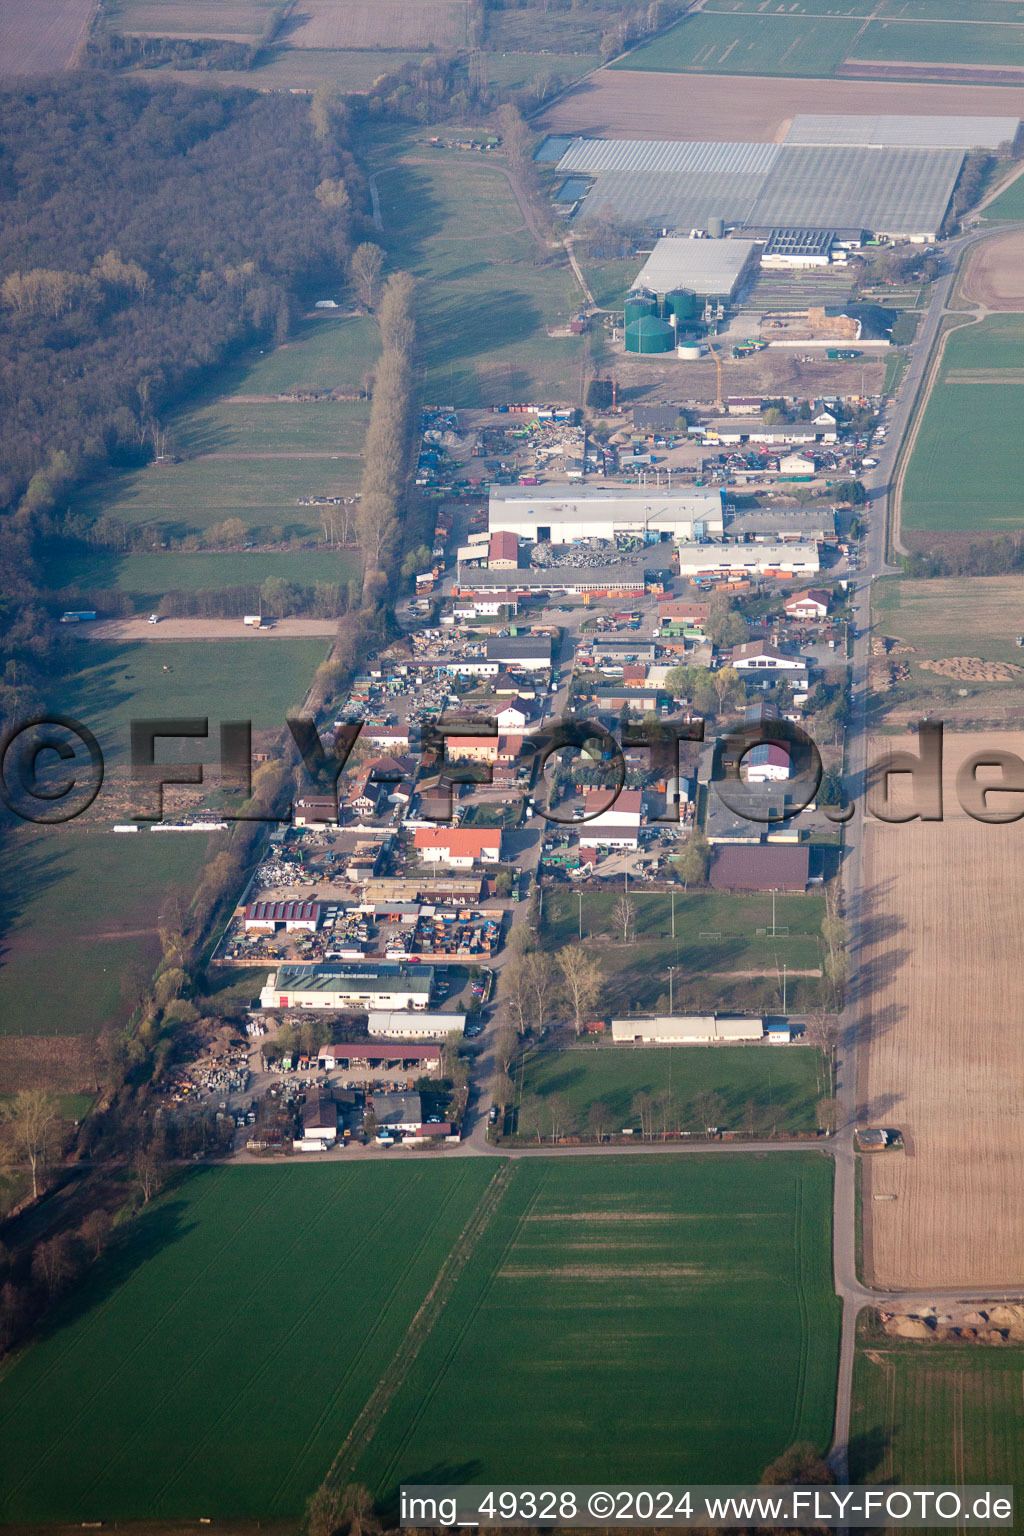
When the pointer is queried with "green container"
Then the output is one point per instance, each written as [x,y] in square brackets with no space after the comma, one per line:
[682,303]
[649,334]
[638,305]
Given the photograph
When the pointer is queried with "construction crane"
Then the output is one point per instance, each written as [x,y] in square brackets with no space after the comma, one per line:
[718,370]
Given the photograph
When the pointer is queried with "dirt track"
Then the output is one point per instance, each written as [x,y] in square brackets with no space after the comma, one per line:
[204,629]
[945,1036]
[645,104]
[995,273]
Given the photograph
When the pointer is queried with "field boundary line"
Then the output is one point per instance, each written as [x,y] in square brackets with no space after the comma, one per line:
[376,1405]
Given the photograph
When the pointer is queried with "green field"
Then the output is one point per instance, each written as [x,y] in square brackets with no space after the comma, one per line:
[964,470]
[149,577]
[214,1365]
[217,1363]
[936,42]
[487,292]
[781,1084]
[1008,207]
[90,901]
[240,20]
[936,1413]
[637,973]
[248,679]
[948,10]
[719,42]
[609,1282]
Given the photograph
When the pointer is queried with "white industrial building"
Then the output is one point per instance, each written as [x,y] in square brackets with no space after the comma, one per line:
[396,1024]
[687,1029]
[745,560]
[562,515]
[711,268]
[379,986]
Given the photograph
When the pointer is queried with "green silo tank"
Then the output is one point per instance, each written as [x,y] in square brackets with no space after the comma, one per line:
[638,305]
[649,334]
[681,302]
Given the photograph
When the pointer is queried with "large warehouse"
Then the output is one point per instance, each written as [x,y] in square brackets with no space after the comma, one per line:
[382,986]
[711,268]
[892,175]
[562,514]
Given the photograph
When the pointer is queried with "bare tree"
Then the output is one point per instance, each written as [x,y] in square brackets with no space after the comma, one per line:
[540,973]
[581,981]
[365,269]
[148,1172]
[665,1104]
[30,1131]
[324,1514]
[625,917]
[599,1119]
[55,1263]
[822,1031]
[559,1114]
[516,987]
[95,1231]
[506,1047]
[826,1114]
[643,1109]
[709,1108]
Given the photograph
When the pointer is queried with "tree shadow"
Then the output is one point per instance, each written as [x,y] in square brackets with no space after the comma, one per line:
[444,1474]
[866,1453]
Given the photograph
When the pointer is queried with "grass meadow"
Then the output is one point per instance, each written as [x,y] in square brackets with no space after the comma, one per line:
[716,939]
[147,577]
[782,1085]
[950,617]
[606,1284]
[963,474]
[248,678]
[79,919]
[488,292]
[237,20]
[932,1414]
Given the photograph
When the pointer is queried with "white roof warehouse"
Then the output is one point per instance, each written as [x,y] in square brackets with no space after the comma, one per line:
[687,1029]
[547,513]
[349,986]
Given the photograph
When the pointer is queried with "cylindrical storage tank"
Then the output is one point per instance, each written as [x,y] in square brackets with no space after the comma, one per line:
[716,227]
[649,334]
[688,351]
[681,302]
[640,304]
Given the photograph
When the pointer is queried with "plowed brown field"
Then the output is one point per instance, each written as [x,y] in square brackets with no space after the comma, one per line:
[943,1032]
[38,37]
[643,104]
[995,273]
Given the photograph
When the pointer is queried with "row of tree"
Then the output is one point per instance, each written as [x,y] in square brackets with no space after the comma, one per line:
[387,446]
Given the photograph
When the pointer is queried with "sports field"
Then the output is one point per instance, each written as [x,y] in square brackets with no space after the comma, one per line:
[79,919]
[224,680]
[739,43]
[781,1087]
[608,1282]
[149,577]
[218,1362]
[716,945]
[933,1414]
[963,473]
[488,292]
